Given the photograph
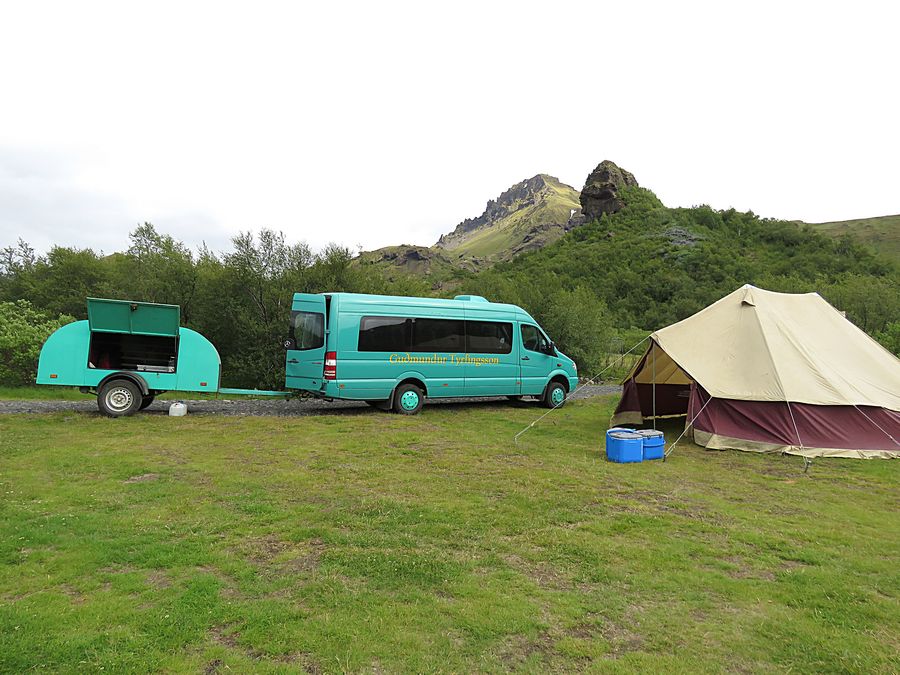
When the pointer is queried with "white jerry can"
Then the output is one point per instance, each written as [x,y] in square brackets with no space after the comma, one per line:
[177,409]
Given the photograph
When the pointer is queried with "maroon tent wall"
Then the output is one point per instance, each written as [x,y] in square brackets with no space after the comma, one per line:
[818,426]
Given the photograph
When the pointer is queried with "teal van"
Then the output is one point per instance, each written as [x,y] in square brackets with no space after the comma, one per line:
[394,352]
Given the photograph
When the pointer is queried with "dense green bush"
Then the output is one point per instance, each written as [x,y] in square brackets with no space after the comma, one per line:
[23,331]
[890,337]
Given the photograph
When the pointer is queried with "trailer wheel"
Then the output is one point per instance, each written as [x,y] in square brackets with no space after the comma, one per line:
[147,401]
[408,399]
[117,398]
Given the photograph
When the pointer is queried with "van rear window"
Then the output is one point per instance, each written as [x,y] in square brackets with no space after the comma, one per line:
[309,330]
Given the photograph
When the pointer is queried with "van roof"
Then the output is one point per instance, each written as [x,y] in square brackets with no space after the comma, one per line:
[472,302]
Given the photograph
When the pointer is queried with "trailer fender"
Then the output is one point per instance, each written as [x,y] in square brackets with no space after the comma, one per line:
[124,375]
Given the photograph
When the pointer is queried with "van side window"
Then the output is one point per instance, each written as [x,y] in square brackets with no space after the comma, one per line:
[533,339]
[438,335]
[383,334]
[488,337]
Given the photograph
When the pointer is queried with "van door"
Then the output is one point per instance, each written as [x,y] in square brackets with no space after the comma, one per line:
[492,364]
[305,360]
[535,362]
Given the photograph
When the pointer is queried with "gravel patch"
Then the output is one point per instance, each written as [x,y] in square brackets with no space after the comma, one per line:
[297,407]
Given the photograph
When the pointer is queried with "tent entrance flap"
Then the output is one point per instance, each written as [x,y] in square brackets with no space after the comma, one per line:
[656,388]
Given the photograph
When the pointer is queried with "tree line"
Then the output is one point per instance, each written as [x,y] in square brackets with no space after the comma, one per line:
[597,291]
[239,299]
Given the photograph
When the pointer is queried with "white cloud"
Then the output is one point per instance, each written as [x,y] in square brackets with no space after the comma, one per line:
[381,123]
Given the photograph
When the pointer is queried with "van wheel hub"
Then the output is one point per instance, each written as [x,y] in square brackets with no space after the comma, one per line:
[409,400]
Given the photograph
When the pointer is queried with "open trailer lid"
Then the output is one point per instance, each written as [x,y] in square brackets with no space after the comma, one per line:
[137,318]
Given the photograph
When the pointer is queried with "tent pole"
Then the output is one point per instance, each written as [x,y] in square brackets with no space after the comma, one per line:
[653,347]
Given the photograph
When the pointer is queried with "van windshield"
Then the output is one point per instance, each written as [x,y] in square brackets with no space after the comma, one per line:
[308,330]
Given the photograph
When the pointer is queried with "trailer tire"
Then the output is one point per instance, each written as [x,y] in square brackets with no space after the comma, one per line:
[119,397]
[147,401]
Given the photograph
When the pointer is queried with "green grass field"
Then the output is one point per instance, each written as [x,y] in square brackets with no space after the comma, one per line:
[373,542]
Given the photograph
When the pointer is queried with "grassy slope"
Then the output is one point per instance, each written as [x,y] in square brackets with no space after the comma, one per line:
[882,233]
[371,541]
[440,264]
[508,232]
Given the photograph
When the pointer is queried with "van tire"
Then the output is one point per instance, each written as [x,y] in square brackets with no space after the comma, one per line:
[147,401]
[119,397]
[554,395]
[408,399]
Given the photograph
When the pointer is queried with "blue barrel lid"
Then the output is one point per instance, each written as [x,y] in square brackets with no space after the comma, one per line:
[649,433]
[624,435]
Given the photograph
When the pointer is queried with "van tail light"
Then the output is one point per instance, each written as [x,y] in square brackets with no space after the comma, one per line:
[330,365]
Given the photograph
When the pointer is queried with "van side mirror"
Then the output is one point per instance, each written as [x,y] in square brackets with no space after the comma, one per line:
[289,343]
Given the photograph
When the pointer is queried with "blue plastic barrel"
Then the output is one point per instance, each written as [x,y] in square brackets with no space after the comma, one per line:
[654,443]
[623,445]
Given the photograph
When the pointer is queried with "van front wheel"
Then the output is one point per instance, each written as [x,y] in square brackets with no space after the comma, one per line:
[408,399]
[555,395]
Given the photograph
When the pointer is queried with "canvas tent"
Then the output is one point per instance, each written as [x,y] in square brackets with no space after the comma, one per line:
[770,372]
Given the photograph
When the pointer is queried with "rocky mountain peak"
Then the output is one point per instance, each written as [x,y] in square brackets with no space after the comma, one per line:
[601,189]
[523,195]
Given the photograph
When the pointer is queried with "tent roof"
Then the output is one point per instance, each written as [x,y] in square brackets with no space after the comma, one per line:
[758,345]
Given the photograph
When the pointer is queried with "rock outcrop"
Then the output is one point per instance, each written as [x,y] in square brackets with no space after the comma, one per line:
[601,190]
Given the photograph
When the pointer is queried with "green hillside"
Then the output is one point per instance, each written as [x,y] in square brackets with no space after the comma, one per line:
[649,266]
[882,233]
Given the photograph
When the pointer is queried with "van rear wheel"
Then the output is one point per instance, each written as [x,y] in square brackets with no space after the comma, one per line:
[118,398]
[408,399]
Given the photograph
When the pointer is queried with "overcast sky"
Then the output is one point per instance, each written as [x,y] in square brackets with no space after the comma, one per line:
[379,123]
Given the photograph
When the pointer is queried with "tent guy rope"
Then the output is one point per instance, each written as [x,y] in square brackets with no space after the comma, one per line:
[579,388]
[686,427]
[896,442]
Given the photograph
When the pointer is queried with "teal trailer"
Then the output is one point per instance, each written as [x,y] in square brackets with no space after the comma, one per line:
[393,352]
[128,352]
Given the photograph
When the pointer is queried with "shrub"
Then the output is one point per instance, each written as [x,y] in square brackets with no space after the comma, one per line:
[22,332]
